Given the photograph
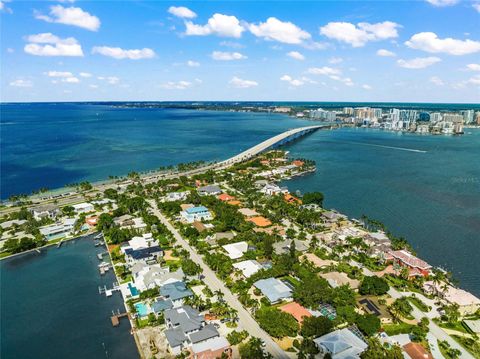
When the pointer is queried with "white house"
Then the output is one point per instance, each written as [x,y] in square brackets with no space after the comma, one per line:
[195,214]
[236,250]
[248,267]
[47,211]
[135,243]
[271,189]
[58,230]
[83,207]
[176,196]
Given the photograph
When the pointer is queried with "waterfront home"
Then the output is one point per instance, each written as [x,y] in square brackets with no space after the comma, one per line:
[58,230]
[260,183]
[296,310]
[161,305]
[176,292]
[137,242]
[248,267]
[274,290]
[152,276]
[176,196]
[333,217]
[283,246]
[341,344]
[467,303]
[83,208]
[149,255]
[124,220]
[47,211]
[271,189]
[210,190]
[194,214]
[235,250]
[416,266]
[311,207]
[187,330]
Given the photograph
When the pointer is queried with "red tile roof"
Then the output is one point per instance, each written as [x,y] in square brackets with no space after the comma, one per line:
[296,310]
[416,351]
[409,259]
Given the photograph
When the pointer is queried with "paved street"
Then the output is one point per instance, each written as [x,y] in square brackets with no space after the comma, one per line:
[245,319]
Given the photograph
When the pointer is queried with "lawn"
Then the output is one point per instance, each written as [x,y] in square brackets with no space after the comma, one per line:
[419,304]
[471,345]
[399,328]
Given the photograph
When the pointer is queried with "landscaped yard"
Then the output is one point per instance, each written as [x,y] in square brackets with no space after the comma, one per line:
[419,304]
[399,328]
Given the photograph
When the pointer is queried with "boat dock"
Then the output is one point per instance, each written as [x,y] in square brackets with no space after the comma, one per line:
[115,318]
[100,255]
[104,267]
[108,292]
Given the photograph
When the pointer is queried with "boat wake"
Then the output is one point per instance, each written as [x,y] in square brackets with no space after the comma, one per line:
[391,147]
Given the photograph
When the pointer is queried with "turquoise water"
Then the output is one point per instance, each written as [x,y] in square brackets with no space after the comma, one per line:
[431,198]
[142,309]
[51,145]
[50,306]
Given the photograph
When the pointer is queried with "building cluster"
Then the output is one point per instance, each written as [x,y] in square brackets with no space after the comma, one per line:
[401,119]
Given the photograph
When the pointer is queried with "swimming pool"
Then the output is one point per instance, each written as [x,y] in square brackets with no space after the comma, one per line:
[141,309]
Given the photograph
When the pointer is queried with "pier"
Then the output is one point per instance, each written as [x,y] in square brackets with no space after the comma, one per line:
[108,292]
[116,316]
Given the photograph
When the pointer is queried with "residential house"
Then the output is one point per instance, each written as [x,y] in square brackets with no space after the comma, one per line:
[153,276]
[271,189]
[341,344]
[416,351]
[176,292]
[337,279]
[214,238]
[225,197]
[260,221]
[291,199]
[149,255]
[316,261]
[83,208]
[13,222]
[47,211]
[58,230]
[467,303]
[296,310]
[247,212]
[284,246]
[333,217]
[248,267]
[415,266]
[236,250]
[209,190]
[194,214]
[211,349]
[176,196]
[139,242]
[274,290]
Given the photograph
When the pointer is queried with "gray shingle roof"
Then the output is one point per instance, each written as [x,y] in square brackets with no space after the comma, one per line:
[207,332]
[176,290]
[175,337]
[186,317]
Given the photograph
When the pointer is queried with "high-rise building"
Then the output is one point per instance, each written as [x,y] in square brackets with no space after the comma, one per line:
[467,116]
[321,114]
[435,117]
[348,111]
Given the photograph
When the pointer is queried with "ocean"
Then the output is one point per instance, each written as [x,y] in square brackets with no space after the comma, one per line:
[425,188]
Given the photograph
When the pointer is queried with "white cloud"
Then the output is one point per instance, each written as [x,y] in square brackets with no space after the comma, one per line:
[386,53]
[71,16]
[358,35]
[430,42]
[52,45]
[441,3]
[71,80]
[119,53]
[3,7]
[335,60]
[10,50]
[227,56]
[178,85]
[291,81]
[281,31]
[296,55]
[366,87]
[21,83]
[232,44]
[192,63]
[346,80]
[218,24]
[58,74]
[182,11]
[473,67]
[85,74]
[476,6]
[93,86]
[325,70]
[112,80]
[436,81]
[243,84]
[475,80]
[418,62]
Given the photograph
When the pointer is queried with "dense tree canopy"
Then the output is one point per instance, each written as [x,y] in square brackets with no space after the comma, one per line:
[313,198]
[314,327]
[368,324]
[276,323]
[374,286]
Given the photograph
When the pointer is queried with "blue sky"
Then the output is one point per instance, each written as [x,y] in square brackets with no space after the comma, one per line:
[407,51]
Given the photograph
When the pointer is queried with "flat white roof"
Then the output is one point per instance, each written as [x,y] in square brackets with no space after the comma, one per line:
[236,250]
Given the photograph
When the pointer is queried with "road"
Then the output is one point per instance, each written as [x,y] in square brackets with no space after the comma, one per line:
[434,329]
[245,319]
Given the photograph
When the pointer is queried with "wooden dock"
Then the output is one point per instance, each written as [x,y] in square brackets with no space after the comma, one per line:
[116,318]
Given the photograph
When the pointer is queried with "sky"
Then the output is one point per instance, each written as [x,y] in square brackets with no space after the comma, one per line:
[378,51]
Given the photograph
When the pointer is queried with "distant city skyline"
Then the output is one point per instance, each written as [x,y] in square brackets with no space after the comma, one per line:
[404,51]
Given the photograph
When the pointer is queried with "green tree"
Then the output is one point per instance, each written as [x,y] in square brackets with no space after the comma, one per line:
[276,323]
[253,350]
[368,324]
[190,268]
[316,326]
[373,286]
[313,198]
[376,350]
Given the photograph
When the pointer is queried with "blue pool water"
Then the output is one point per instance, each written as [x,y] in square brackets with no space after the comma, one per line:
[141,309]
